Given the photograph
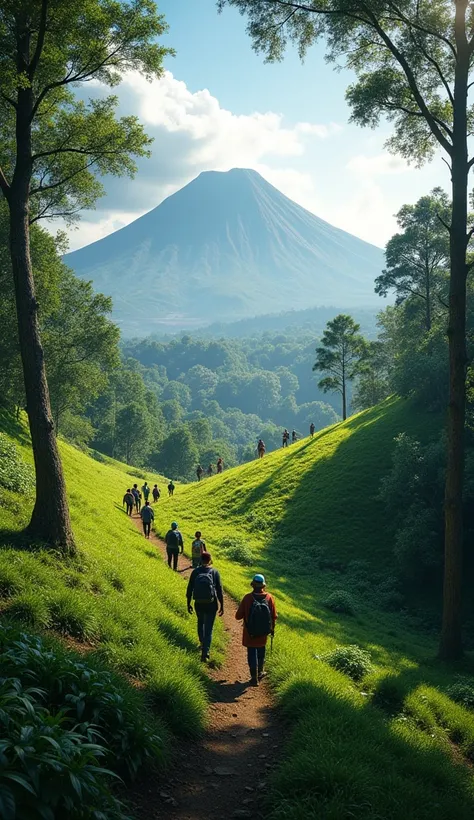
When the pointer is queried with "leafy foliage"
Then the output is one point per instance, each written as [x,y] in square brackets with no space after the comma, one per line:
[462,691]
[15,474]
[340,354]
[351,660]
[341,601]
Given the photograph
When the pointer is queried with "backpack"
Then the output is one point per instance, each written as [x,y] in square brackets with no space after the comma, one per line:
[172,539]
[204,591]
[260,621]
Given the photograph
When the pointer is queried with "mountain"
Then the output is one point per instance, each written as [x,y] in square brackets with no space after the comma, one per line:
[225,247]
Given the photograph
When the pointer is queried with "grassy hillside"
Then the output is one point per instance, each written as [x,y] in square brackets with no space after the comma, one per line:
[390,744]
[118,599]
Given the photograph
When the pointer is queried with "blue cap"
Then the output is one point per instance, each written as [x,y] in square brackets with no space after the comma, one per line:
[258,579]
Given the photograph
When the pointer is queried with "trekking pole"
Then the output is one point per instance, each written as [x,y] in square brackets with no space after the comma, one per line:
[271,643]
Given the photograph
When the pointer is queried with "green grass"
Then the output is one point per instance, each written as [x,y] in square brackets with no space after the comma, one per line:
[392,744]
[117,599]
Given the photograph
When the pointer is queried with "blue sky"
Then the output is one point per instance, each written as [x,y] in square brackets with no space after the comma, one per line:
[220,106]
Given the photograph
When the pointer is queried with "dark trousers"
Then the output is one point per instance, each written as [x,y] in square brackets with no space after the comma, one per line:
[256,657]
[129,509]
[146,528]
[172,554]
[137,505]
[205,619]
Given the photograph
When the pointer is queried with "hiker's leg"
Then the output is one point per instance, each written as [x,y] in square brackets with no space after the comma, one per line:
[200,624]
[209,618]
[261,661]
[252,660]
[175,560]
[169,554]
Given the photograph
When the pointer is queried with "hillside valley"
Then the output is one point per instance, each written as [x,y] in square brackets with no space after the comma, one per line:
[225,247]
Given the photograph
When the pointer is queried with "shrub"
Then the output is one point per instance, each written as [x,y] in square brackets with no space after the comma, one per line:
[115,580]
[15,474]
[462,691]
[390,694]
[72,615]
[340,601]
[351,660]
[235,549]
[29,608]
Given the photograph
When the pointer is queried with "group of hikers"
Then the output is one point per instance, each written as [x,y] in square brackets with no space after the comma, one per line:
[210,469]
[285,439]
[133,500]
[257,609]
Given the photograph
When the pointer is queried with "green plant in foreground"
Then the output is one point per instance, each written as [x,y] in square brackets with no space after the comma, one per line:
[15,474]
[351,660]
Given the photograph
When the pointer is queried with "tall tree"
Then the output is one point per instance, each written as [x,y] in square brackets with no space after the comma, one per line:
[418,256]
[340,354]
[413,60]
[49,143]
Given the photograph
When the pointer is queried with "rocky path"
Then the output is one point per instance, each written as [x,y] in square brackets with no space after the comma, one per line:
[224,774]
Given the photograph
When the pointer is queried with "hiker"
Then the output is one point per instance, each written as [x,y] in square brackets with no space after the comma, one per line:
[137,497]
[206,589]
[311,429]
[294,436]
[174,545]
[210,470]
[199,472]
[171,488]
[197,548]
[285,438]
[257,611]
[145,491]
[147,515]
[129,500]
[261,448]
[220,465]
[155,493]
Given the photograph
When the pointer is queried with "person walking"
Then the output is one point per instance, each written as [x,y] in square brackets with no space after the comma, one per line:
[205,588]
[137,497]
[258,613]
[155,493]
[220,465]
[174,545]
[171,488]
[210,470]
[285,438]
[311,429]
[197,548]
[294,436]
[147,515]
[199,472]
[145,491]
[129,501]
[261,448]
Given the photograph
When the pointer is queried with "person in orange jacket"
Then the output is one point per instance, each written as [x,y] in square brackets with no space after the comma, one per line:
[257,611]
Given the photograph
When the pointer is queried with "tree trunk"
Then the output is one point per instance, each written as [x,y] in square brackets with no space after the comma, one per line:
[428,298]
[50,520]
[451,633]
[344,399]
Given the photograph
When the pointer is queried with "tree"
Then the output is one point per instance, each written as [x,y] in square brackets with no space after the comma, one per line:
[178,454]
[413,61]
[340,354]
[418,257]
[133,432]
[50,142]
[373,383]
[81,346]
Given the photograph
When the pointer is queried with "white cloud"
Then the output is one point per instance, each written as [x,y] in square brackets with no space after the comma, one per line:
[192,132]
[377,165]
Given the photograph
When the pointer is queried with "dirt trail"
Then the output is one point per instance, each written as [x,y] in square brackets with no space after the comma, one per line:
[224,774]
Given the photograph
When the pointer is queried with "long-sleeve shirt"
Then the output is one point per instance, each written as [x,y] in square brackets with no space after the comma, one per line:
[128,499]
[243,613]
[147,515]
[171,542]
[216,579]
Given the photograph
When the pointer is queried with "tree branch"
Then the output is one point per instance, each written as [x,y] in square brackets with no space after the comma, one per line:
[436,65]
[40,40]
[4,186]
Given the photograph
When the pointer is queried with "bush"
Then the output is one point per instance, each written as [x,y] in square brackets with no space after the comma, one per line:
[390,694]
[340,601]
[462,692]
[235,549]
[351,660]
[15,474]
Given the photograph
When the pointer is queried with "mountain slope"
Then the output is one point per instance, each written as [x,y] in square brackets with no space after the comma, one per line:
[226,246]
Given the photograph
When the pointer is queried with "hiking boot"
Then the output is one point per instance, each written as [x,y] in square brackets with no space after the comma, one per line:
[204,657]
[261,674]
[253,677]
